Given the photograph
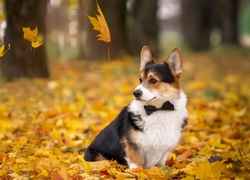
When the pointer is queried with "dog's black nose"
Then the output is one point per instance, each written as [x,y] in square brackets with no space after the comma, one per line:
[137,93]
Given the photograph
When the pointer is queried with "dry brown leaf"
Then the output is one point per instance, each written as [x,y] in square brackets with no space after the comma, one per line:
[184,156]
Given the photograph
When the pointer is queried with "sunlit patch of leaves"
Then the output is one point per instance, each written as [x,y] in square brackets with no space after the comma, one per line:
[46,125]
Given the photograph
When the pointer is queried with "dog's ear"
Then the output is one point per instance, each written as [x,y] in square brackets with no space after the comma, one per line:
[174,61]
[146,57]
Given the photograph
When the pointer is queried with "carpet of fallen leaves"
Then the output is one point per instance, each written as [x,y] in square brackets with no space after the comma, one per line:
[46,125]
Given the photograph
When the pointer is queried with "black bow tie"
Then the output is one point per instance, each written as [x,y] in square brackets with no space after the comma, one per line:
[166,106]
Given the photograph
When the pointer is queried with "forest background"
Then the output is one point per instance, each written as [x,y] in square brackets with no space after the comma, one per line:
[56,98]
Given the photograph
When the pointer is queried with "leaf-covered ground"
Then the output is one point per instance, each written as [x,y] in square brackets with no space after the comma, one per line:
[46,125]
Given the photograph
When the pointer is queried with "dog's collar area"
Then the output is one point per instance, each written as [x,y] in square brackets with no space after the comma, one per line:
[166,106]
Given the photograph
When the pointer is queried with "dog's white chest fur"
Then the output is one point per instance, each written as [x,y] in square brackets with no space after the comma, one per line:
[161,130]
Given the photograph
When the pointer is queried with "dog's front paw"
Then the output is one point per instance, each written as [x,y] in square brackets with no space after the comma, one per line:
[132,165]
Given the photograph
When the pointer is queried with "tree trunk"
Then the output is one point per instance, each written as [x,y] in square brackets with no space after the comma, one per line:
[20,61]
[200,17]
[114,12]
[144,30]
[228,13]
[197,21]
[81,25]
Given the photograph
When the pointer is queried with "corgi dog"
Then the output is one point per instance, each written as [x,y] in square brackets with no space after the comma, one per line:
[149,128]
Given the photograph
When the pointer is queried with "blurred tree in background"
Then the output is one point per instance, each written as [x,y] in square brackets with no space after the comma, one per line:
[81,12]
[199,18]
[197,23]
[228,14]
[144,26]
[20,61]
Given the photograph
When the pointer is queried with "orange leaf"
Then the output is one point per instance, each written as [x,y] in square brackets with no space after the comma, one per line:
[63,172]
[54,175]
[184,155]
[99,24]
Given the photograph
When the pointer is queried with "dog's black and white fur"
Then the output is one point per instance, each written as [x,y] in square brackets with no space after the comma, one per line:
[142,138]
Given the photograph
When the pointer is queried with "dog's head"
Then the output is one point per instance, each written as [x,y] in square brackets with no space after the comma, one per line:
[159,82]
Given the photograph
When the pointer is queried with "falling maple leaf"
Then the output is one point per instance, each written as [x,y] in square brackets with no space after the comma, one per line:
[29,34]
[3,50]
[99,24]
[33,37]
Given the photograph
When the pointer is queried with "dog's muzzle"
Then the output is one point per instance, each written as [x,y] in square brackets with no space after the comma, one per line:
[137,93]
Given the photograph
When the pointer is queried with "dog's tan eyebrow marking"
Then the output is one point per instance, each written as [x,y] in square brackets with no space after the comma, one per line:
[153,75]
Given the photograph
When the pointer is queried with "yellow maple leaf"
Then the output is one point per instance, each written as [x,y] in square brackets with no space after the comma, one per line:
[99,24]
[29,34]
[36,44]
[3,50]
[63,172]
[120,175]
[32,37]
[42,174]
[206,170]
[86,167]
[99,165]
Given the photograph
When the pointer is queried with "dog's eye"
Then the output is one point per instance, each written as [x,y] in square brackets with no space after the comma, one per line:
[152,81]
[140,79]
